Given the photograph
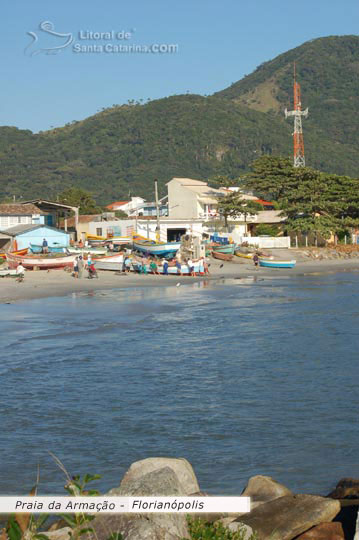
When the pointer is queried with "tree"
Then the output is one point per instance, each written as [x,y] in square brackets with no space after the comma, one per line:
[311,200]
[271,177]
[233,203]
[79,197]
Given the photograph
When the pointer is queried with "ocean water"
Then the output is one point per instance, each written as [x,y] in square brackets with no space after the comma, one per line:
[241,377]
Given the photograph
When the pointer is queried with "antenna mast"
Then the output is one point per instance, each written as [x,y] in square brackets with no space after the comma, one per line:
[298,143]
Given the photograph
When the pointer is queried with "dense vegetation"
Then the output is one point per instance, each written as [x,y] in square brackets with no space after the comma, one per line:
[122,149]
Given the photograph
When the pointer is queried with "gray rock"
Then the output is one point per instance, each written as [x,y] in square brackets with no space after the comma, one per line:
[263,489]
[289,516]
[181,467]
[234,526]
[160,482]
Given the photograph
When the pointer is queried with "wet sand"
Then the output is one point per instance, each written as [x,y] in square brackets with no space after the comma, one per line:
[44,284]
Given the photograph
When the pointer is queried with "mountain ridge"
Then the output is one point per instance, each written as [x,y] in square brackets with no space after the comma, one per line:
[121,149]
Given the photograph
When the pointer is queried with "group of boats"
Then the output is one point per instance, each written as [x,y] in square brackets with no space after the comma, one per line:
[97,247]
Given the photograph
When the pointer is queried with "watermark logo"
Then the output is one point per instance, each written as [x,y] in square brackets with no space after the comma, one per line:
[47,41]
[55,41]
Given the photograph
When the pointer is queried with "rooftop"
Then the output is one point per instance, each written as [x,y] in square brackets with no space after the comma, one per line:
[19,229]
[18,209]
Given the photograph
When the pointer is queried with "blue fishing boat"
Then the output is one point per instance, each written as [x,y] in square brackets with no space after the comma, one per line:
[157,249]
[51,249]
[276,264]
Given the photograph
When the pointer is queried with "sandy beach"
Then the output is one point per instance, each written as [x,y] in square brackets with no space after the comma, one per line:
[43,284]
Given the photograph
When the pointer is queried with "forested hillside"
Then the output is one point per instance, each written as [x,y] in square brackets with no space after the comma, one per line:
[122,149]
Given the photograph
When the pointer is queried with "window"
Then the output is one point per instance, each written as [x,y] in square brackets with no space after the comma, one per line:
[99,231]
[14,220]
[4,222]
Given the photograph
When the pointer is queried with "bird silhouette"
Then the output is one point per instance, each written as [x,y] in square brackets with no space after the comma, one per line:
[221,266]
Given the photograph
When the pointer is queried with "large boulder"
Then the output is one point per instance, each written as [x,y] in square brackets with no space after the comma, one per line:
[160,482]
[324,531]
[346,488]
[263,489]
[180,466]
[289,516]
[234,526]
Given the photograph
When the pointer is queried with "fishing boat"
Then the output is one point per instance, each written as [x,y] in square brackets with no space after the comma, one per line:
[157,249]
[43,263]
[18,252]
[172,270]
[227,248]
[51,249]
[243,255]
[121,240]
[85,251]
[112,262]
[276,264]
[222,256]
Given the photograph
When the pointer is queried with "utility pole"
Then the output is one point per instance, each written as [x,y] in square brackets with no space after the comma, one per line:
[158,227]
[298,142]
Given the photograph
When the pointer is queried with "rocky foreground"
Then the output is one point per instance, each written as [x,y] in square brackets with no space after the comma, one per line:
[276,512]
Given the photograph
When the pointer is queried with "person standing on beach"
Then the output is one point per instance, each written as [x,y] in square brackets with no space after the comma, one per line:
[191,267]
[256,260]
[76,267]
[45,246]
[179,267]
[165,268]
[80,265]
[89,260]
[205,266]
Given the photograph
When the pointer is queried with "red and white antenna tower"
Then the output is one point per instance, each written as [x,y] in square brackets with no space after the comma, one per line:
[298,143]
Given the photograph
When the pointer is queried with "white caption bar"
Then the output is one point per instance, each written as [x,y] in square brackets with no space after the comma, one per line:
[118,505]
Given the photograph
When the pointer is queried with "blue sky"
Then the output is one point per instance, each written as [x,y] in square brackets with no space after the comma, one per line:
[218,43]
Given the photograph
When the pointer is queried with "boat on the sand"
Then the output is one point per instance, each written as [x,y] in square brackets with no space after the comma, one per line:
[276,264]
[222,256]
[43,263]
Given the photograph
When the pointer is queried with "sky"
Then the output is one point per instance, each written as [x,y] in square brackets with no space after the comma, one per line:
[56,70]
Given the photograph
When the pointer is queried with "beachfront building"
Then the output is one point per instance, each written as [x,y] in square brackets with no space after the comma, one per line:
[21,214]
[139,207]
[21,236]
[106,225]
[55,212]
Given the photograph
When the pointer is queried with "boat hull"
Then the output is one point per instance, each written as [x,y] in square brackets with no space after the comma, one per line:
[112,262]
[157,249]
[228,248]
[243,255]
[222,256]
[276,264]
[46,263]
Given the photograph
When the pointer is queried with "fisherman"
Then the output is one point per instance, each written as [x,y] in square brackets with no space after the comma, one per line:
[89,259]
[153,267]
[165,267]
[80,266]
[256,260]
[45,246]
[191,267]
[205,266]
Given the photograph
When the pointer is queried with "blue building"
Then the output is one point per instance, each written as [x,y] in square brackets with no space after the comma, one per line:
[22,236]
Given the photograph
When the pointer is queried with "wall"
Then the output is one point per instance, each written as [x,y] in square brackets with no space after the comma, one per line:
[182,203]
[266,241]
[147,228]
[120,227]
[54,237]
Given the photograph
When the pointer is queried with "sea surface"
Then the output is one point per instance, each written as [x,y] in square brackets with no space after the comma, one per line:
[240,376]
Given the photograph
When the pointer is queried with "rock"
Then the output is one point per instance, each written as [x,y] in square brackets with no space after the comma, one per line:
[181,467]
[234,526]
[159,482]
[346,488]
[263,489]
[289,516]
[324,531]
[132,527]
[60,534]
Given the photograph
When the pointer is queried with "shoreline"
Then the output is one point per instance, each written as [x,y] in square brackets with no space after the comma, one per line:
[55,283]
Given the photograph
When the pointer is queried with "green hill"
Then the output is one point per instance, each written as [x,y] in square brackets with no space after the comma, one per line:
[124,148]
